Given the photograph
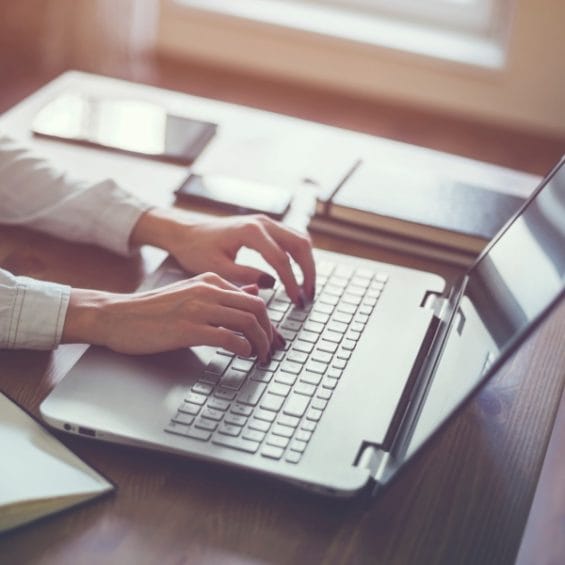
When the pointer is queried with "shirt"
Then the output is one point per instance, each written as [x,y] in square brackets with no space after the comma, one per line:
[35,194]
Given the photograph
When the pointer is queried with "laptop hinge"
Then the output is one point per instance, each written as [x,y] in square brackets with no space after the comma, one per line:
[438,304]
[375,460]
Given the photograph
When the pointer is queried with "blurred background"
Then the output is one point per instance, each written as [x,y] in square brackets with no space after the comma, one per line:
[479,78]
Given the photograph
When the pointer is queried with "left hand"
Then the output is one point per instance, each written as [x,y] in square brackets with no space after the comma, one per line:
[213,246]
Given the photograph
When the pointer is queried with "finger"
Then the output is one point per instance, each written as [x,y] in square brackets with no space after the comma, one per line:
[259,239]
[251,304]
[248,275]
[243,322]
[226,339]
[300,249]
[252,289]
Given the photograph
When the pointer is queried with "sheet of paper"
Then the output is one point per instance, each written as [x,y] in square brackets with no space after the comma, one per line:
[34,465]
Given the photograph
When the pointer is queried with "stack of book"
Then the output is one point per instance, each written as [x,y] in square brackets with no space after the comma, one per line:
[414,211]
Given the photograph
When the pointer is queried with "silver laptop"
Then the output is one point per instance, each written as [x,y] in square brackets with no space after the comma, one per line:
[372,368]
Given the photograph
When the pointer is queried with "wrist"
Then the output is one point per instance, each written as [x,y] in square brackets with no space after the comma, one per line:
[159,227]
[86,317]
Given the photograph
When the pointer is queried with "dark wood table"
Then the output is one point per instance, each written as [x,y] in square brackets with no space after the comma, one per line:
[465,500]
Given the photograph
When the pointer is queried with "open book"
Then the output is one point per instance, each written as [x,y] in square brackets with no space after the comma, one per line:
[38,474]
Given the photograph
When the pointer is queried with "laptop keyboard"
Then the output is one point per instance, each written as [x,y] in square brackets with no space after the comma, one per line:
[274,409]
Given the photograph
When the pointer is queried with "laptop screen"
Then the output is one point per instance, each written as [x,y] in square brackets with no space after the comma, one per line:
[519,275]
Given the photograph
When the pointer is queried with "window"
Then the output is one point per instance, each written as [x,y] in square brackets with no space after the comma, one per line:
[465,15]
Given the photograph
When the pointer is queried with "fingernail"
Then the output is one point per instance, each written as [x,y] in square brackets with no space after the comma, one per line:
[266,281]
[300,302]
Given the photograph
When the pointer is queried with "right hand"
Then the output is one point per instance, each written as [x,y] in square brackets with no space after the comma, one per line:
[204,310]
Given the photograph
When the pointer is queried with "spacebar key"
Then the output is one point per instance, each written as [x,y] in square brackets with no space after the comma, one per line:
[296,405]
[236,443]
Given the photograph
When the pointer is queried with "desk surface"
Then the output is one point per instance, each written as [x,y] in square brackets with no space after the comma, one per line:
[466,500]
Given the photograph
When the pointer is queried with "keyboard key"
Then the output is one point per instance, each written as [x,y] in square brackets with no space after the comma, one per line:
[296,405]
[212,414]
[190,408]
[338,327]
[340,363]
[365,310]
[289,335]
[297,314]
[272,402]
[251,393]
[272,452]
[279,389]
[343,354]
[235,419]
[277,355]
[183,418]
[265,415]
[278,441]
[254,435]
[303,435]
[324,393]
[363,272]
[298,445]
[324,268]
[196,398]
[275,315]
[342,317]
[356,290]
[304,346]
[297,357]
[346,308]
[330,383]
[259,425]
[241,409]
[319,403]
[328,346]
[323,308]
[317,367]
[308,425]
[225,352]
[218,404]
[361,319]
[229,429]
[202,388]
[355,336]
[311,378]
[369,301]
[319,317]
[283,431]
[195,433]
[311,337]
[218,364]
[304,388]
[205,424]
[334,289]
[315,327]
[278,306]
[290,367]
[236,443]
[351,299]
[211,378]
[233,379]
[293,456]
[321,356]
[381,277]
[293,325]
[332,336]
[244,365]
[285,378]
[271,366]
[343,271]
[225,393]
[335,373]
[261,375]
[314,414]
[289,421]
[348,345]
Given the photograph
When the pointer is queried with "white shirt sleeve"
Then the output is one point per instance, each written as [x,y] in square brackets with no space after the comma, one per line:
[35,194]
[32,313]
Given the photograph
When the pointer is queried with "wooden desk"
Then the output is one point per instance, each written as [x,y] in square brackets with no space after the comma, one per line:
[466,500]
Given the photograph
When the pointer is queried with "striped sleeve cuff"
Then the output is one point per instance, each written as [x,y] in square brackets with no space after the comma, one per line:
[35,314]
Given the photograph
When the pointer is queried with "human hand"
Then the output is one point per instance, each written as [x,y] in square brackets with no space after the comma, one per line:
[214,244]
[204,310]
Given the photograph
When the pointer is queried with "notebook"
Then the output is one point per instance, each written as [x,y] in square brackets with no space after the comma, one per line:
[372,369]
[38,474]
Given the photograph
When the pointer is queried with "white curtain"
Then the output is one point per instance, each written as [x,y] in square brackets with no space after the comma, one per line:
[104,36]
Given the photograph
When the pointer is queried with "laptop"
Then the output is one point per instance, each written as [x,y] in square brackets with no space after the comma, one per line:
[375,366]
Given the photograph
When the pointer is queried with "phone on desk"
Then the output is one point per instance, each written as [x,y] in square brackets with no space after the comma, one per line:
[132,126]
[236,195]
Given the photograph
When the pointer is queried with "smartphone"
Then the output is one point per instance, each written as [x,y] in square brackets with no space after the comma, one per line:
[130,126]
[236,195]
